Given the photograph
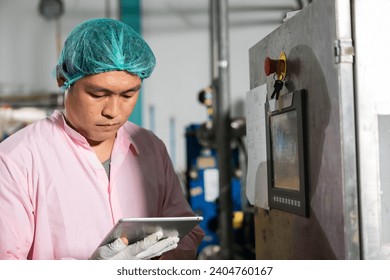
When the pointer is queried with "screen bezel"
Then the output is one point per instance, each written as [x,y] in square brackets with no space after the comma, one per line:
[293,201]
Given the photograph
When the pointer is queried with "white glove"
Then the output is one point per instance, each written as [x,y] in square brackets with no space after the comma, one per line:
[147,248]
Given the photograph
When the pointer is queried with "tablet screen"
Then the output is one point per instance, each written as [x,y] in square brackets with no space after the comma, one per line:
[135,229]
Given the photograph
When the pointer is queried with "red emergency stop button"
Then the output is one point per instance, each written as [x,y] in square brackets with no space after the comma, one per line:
[270,66]
[277,66]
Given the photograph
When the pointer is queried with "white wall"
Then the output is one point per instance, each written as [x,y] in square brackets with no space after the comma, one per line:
[28,49]
[178,32]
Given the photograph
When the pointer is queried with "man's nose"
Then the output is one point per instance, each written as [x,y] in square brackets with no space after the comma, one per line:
[112,107]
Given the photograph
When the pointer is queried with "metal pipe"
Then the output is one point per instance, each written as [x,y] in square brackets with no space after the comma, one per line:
[213,41]
[193,11]
[222,129]
[58,36]
[107,7]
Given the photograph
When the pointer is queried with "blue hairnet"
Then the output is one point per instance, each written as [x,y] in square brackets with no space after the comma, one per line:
[101,45]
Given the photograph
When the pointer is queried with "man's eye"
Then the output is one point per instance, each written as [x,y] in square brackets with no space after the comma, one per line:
[95,95]
[127,96]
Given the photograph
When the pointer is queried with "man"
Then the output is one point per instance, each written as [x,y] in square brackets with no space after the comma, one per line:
[66,180]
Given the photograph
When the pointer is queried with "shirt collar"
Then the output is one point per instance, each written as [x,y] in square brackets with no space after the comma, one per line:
[77,137]
[125,139]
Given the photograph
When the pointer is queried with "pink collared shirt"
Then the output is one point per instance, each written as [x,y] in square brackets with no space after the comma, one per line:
[56,201]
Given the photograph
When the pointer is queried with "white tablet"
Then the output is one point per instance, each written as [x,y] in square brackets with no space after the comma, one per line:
[134,229]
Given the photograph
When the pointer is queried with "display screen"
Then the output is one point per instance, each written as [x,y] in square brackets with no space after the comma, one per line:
[287,188]
[284,149]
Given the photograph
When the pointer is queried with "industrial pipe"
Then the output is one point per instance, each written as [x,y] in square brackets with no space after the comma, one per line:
[222,128]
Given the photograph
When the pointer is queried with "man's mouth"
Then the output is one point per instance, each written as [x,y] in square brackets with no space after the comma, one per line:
[108,124]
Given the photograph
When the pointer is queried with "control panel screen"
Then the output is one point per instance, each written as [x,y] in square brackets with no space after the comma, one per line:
[284,135]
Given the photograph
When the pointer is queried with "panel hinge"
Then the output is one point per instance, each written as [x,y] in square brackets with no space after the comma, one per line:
[344,51]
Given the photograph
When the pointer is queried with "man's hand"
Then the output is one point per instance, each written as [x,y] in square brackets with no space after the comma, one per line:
[147,248]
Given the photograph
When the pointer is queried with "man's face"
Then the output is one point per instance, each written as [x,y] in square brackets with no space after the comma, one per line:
[98,105]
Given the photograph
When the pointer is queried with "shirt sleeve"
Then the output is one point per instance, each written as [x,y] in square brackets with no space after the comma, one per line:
[16,211]
[175,204]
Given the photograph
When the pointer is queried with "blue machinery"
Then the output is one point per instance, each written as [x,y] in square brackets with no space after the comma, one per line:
[212,161]
[203,190]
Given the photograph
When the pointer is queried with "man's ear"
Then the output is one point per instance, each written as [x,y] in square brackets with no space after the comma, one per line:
[60,81]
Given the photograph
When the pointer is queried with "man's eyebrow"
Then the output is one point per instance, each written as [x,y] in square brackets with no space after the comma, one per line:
[136,88]
[96,88]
